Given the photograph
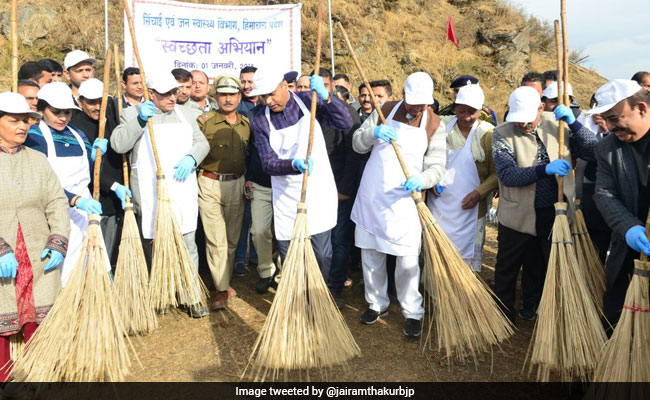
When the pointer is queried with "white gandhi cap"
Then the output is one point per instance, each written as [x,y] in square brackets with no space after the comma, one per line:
[91,89]
[162,82]
[523,105]
[608,95]
[265,80]
[75,57]
[551,90]
[471,95]
[57,95]
[15,103]
[418,89]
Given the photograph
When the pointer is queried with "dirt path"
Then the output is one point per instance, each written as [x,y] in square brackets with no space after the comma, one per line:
[216,348]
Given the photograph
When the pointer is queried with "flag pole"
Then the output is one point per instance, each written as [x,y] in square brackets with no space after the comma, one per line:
[444,61]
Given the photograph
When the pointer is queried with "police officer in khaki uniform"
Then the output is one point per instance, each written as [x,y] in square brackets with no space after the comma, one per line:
[221,183]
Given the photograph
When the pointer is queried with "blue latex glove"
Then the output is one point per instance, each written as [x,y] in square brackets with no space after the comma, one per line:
[90,206]
[563,112]
[146,110]
[558,167]
[412,184]
[56,259]
[318,85]
[438,189]
[636,239]
[101,144]
[299,164]
[385,133]
[121,192]
[184,167]
[8,265]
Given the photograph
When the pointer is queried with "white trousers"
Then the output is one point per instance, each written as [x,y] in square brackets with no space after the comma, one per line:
[407,280]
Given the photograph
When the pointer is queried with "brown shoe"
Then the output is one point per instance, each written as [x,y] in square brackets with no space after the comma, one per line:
[221,299]
[231,292]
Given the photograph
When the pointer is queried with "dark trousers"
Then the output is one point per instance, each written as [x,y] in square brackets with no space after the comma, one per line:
[342,238]
[322,245]
[517,249]
[245,243]
[614,296]
[111,226]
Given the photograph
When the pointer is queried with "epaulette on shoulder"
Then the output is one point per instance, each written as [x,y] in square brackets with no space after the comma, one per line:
[205,117]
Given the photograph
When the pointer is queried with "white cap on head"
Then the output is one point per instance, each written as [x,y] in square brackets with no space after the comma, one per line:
[57,95]
[471,95]
[523,105]
[265,80]
[75,57]
[15,103]
[91,89]
[551,90]
[162,82]
[418,89]
[608,95]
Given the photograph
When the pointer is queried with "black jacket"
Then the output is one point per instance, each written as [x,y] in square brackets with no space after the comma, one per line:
[254,171]
[111,161]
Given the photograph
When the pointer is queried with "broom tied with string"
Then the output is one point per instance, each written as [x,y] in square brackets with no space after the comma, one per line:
[131,283]
[82,338]
[466,317]
[568,335]
[174,278]
[588,257]
[303,329]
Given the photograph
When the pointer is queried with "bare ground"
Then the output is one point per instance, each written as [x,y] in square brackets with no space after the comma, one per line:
[216,348]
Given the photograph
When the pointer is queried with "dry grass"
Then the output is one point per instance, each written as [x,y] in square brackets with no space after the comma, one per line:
[84,326]
[588,258]
[568,335]
[304,329]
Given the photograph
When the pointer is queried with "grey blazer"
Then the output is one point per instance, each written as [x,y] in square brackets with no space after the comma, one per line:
[616,196]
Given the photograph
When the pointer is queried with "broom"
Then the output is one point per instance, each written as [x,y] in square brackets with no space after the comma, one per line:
[588,257]
[467,319]
[131,283]
[174,278]
[14,46]
[626,357]
[303,329]
[82,338]
[568,335]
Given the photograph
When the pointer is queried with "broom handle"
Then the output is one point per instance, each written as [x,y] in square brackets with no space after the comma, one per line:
[314,103]
[125,165]
[102,124]
[375,104]
[560,88]
[14,46]
[154,149]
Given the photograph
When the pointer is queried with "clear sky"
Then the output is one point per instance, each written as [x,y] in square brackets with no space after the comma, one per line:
[614,33]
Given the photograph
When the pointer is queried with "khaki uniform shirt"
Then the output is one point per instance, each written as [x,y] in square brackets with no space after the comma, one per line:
[227,142]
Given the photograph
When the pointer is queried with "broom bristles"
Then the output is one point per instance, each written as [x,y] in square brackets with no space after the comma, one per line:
[174,277]
[626,357]
[303,329]
[466,317]
[131,283]
[82,337]
[568,335]
[588,258]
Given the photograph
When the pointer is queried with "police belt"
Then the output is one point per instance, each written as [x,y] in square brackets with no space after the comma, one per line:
[221,177]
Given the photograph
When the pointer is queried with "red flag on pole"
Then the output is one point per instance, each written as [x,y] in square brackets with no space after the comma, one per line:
[450,32]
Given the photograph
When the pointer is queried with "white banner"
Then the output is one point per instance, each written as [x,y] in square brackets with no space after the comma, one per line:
[216,39]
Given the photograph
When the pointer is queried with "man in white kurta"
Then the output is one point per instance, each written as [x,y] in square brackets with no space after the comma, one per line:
[385,214]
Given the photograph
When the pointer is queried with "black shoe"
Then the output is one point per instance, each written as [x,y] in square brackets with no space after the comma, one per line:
[371,316]
[263,285]
[412,327]
[239,269]
[198,311]
[527,314]
[338,299]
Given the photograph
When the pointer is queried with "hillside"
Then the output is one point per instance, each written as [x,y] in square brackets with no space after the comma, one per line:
[392,38]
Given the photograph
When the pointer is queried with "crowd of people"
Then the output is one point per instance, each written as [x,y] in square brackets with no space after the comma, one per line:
[233,152]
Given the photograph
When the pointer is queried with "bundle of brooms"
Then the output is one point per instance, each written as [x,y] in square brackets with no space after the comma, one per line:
[174,278]
[588,257]
[626,357]
[303,329]
[131,283]
[82,338]
[466,317]
[568,334]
